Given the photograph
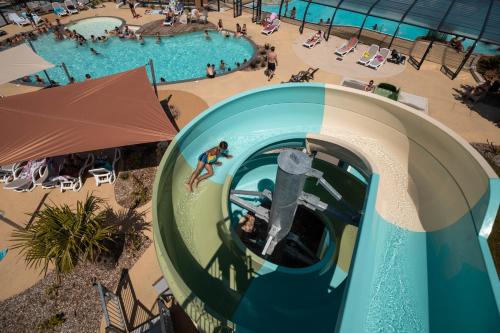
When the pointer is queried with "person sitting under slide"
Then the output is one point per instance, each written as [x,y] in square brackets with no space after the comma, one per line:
[205,161]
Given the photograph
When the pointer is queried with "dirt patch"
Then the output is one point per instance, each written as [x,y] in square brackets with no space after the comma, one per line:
[138,165]
[75,298]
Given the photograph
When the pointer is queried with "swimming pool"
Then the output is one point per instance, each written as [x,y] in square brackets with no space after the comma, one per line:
[317,12]
[176,58]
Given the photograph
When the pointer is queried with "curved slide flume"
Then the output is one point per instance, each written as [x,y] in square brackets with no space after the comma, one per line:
[419,261]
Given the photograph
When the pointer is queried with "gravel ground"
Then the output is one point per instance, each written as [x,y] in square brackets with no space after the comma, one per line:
[75,296]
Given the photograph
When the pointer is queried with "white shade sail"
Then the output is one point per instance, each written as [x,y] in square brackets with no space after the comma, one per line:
[20,61]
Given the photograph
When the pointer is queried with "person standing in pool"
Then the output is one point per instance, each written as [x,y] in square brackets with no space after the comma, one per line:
[272,62]
[293,13]
[205,161]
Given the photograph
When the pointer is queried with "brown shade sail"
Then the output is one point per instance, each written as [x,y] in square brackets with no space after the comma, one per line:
[19,61]
[112,111]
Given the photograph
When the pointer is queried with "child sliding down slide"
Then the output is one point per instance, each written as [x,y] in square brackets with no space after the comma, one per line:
[205,161]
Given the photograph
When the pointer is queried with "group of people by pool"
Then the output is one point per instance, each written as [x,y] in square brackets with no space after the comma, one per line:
[211,71]
[241,30]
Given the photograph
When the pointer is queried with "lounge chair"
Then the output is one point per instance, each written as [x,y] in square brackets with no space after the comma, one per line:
[105,172]
[119,3]
[70,176]
[368,55]
[59,9]
[169,21]
[355,84]
[417,102]
[312,41]
[70,7]
[20,21]
[304,76]
[7,172]
[26,176]
[36,18]
[347,47]
[271,27]
[379,59]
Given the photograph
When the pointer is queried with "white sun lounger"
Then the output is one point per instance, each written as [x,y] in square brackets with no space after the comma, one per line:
[20,21]
[26,176]
[367,56]
[347,47]
[7,172]
[70,7]
[312,41]
[271,28]
[417,102]
[379,59]
[58,9]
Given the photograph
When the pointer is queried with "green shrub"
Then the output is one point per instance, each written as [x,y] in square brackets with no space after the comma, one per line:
[51,322]
[435,36]
[124,175]
[63,237]
[488,63]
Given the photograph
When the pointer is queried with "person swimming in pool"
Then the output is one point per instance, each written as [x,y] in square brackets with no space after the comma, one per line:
[205,161]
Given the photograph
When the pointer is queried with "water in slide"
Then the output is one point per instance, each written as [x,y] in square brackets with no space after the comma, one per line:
[418,261]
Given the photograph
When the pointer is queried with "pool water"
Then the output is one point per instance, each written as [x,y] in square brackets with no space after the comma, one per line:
[181,57]
[317,12]
[95,26]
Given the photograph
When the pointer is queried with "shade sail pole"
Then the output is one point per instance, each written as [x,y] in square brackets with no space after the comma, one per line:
[44,71]
[63,65]
[151,67]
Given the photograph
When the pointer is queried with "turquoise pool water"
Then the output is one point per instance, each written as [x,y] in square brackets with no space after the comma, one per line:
[95,26]
[318,12]
[176,58]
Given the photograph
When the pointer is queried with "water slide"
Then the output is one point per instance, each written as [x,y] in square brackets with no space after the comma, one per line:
[418,261]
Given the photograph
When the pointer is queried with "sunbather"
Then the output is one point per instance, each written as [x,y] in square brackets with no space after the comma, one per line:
[205,161]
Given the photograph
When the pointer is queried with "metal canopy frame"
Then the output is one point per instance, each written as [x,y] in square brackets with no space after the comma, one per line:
[414,61]
[469,52]
[401,20]
[366,17]
[341,5]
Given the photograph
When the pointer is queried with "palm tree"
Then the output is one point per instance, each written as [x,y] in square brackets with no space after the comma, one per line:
[62,237]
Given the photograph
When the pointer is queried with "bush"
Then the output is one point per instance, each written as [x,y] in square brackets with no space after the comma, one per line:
[62,237]
[435,36]
[52,322]
[488,63]
[124,175]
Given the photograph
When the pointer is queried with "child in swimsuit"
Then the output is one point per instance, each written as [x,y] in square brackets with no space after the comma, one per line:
[205,161]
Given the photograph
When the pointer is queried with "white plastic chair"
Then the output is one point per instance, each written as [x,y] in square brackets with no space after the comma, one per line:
[105,176]
[75,183]
[70,7]
[7,172]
